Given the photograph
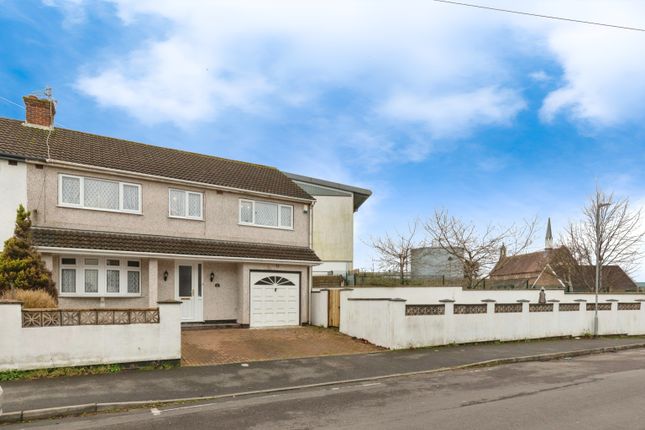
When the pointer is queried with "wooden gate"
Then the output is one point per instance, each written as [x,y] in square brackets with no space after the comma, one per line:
[333,308]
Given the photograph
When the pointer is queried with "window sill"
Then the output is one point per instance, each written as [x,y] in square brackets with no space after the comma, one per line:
[265,226]
[99,210]
[185,218]
[98,296]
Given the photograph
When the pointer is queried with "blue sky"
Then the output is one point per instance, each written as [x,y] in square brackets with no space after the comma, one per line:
[492,116]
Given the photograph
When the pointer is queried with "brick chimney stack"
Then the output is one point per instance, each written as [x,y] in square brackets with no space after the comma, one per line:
[40,112]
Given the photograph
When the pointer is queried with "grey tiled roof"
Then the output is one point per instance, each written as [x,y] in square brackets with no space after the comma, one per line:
[104,241]
[17,140]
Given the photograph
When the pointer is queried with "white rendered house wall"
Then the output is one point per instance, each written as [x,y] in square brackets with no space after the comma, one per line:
[332,267]
[13,189]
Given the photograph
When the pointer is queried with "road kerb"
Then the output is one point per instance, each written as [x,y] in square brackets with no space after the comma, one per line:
[10,417]
[59,412]
[37,414]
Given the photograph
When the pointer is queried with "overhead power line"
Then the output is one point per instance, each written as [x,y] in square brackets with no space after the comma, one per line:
[13,103]
[537,15]
[23,108]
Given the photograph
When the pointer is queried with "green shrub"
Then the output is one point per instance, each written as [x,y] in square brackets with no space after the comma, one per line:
[21,266]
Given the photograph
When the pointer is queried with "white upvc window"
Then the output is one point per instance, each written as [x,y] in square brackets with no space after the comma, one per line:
[98,194]
[266,214]
[91,276]
[185,204]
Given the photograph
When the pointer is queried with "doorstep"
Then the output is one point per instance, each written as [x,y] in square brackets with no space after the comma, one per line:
[210,325]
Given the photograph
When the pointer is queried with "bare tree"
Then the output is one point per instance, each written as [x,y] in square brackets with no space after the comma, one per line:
[610,226]
[394,250]
[478,250]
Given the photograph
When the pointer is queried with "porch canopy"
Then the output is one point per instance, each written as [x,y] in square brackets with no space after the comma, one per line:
[215,280]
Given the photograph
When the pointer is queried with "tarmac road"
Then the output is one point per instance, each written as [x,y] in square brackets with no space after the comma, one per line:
[600,392]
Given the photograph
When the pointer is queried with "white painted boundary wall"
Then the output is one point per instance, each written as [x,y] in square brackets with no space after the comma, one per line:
[23,348]
[434,295]
[379,316]
[319,308]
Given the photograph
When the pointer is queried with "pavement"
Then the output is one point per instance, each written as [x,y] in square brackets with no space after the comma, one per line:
[273,376]
[602,391]
[218,346]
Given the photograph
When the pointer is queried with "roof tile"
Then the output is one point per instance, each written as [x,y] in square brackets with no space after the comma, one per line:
[78,147]
[103,241]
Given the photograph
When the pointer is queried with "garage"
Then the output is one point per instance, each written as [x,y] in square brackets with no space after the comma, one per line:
[275,299]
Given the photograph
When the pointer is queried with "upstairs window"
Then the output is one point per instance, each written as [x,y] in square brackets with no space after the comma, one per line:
[265,214]
[99,194]
[185,204]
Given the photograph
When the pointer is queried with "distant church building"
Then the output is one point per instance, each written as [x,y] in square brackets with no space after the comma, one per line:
[532,270]
[554,268]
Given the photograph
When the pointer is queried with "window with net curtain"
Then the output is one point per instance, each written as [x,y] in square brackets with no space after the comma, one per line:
[100,276]
[92,193]
[185,204]
[101,194]
[266,214]
[71,190]
[246,212]
[131,197]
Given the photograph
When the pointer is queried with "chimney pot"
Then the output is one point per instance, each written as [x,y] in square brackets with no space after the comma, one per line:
[39,112]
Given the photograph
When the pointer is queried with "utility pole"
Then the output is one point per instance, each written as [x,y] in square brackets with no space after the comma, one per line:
[598,264]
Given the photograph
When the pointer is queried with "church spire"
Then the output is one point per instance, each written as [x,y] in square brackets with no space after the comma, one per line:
[548,240]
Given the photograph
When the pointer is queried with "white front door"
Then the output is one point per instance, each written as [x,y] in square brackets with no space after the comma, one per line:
[189,290]
[275,299]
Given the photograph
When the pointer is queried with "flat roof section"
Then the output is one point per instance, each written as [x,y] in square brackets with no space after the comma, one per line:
[360,194]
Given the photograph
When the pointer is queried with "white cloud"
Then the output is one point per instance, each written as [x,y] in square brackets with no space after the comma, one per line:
[540,76]
[601,82]
[257,56]
[165,82]
[456,114]
[447,70]
[602,75]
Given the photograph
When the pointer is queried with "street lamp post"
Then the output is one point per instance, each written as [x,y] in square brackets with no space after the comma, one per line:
[598,265]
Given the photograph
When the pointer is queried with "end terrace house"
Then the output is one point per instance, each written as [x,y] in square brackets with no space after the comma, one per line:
[124,224]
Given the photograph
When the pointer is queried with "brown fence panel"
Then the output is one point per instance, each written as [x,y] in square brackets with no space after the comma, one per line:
[327,281]
[333,305]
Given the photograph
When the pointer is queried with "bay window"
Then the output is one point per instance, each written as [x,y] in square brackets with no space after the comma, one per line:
[265,214]
[98,194]
[99,277]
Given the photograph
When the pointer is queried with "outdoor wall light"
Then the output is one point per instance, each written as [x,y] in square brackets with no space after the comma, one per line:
[212,276]
[165,275]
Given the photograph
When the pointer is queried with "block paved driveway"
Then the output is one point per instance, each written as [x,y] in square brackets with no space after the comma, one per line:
[222,346]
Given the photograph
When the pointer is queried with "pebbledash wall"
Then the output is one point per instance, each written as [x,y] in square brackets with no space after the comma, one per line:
[35,339]
[221,211]
[407,317]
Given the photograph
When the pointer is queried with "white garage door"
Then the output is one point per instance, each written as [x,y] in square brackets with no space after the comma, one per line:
[275,299]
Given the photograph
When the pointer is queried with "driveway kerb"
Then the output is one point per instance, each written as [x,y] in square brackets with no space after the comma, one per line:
[59,412]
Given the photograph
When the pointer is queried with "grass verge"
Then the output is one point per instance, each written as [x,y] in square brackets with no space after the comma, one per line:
[101,369]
